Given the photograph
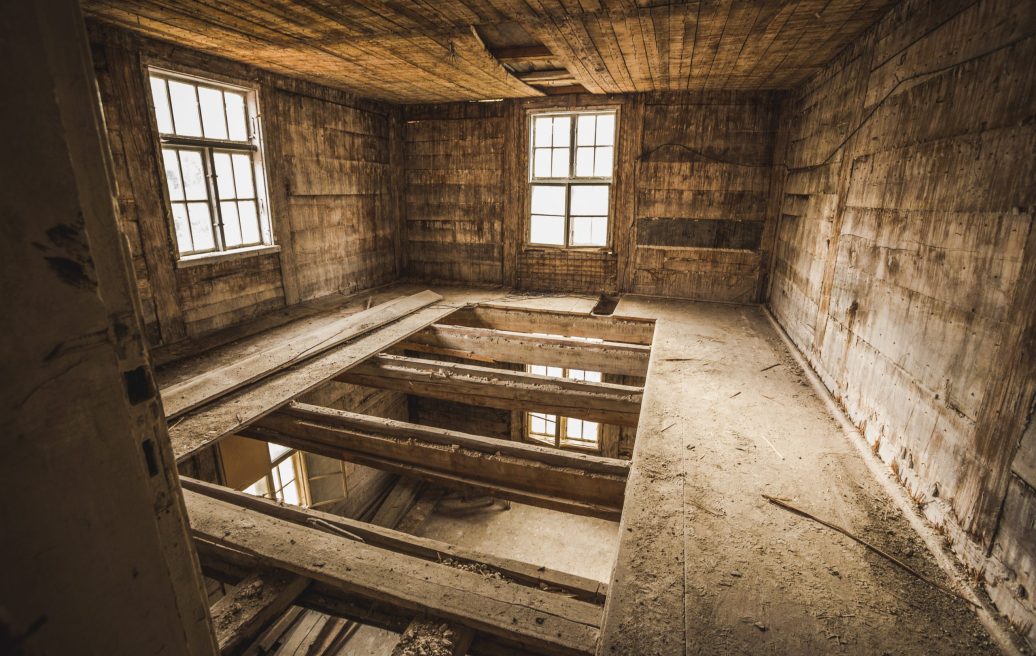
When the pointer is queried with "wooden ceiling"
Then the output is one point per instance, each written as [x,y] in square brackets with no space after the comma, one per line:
[444,50]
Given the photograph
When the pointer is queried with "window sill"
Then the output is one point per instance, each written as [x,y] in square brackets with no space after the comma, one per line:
[226,256]
[549,248]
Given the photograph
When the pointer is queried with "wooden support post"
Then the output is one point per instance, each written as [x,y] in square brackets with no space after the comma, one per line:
[496,388]
[489,345]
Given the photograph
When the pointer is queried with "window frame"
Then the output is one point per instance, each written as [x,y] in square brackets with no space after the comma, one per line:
[209,147]
[561,439]
[275,493]
[571,180]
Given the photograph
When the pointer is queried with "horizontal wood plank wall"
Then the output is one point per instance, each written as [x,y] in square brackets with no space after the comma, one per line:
[689,200]
[904,265]
[454,199]
[331,178]
[702,186]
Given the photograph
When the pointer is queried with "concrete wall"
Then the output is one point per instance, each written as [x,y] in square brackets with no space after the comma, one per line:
[904,265]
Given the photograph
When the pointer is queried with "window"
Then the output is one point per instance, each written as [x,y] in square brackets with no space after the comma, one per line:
[563,431]
[213,165]
[283,482]
[570,170]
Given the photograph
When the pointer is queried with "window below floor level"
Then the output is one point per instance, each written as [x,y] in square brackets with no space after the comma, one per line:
[563,432]
[284,481]
[571,160]
[213,164]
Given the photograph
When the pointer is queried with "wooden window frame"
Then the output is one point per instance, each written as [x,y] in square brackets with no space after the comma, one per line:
[252,146]
[560,425]
[571,180]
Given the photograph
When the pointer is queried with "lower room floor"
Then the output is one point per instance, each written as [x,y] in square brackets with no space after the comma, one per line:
[746,515]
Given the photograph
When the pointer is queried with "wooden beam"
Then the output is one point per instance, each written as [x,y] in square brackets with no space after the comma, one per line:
[490,345]
[538,620]
[577,587]
[252,605]
[238,409]
[552,322]
[550,75]
[497,388]
[521,472]
[214,383]
[525,53]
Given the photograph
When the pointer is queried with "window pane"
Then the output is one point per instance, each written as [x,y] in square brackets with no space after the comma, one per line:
[172,174]
[589,200]
[584,162]
[585,130]
[183,228]
[160,97]
[232,238]
[260,488]
[201,226]
[562,131]
[185,109]
[193,175]
[236,119]
[559,166]
[557,372]
[592,376]
[574,428]
[547,230]
[249,222]
[538,424]
[541,161]
[605,130]
[290,494]
[548,199]
[603,162]
[212,118]
[590,430]
[589,231]
[243,176]
[537,369]
[287,471]
[224,176]
[541,128]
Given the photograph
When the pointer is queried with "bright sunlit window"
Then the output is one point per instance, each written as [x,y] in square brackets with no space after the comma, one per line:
[283,482]
[570,170]
[563,431]
[213,164]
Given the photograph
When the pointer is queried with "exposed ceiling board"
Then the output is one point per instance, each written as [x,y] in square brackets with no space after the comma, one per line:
[426,51]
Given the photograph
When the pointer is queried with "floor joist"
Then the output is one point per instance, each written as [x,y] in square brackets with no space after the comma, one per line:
[491,345]
[535,619]
[229,414]
[553,322]
[497,388]
[575,586]
[526,473]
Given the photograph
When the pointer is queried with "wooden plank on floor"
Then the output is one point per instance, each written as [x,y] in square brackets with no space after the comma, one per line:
[550,623]
[553,322]
[444,456]
[240,616]
[200,429]
[496,388]
[489,345]
[577,586]
[214,383]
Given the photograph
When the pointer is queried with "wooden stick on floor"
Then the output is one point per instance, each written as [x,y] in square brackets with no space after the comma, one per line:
[907,568]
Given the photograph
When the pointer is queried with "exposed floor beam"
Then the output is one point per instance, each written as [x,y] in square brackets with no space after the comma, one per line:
[244,613]
[522,53]
[521,472]
[489,345]
[196,391]
[537,620]
[577,587]
[198,430]
[554,75]
[498,388]
[553,322]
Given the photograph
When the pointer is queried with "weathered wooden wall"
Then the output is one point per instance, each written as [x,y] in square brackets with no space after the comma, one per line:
[332,175]
[904,265]
[690,196]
